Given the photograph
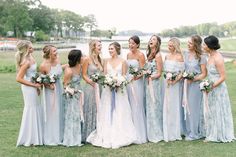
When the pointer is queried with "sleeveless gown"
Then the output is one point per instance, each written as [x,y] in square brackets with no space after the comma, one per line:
[154,108]
[72,131]
[136,99]
[31,130]
[115,128]
[90,108]
[219,120]
[54,123]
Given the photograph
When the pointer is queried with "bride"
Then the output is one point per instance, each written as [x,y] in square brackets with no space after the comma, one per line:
[115,127]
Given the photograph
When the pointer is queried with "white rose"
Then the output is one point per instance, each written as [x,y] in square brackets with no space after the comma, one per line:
[185,74]
[201,85]
[70,90]
[39,79]
[169,76]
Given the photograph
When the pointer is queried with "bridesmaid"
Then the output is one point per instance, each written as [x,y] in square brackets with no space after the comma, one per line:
[31,130]
[136,59]
[173,63]
[54,111]
[195,62]
[219,120]
[92,64]
[153,91]
[73,102]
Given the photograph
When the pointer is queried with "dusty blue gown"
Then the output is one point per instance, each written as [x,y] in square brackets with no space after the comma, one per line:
[172,103]
[194,98]
[219,120]
[72,130]
[136,99]
[154,107]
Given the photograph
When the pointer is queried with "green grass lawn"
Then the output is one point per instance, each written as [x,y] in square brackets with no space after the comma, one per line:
[11,108]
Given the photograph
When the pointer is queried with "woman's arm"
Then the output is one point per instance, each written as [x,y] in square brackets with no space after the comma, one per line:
[84,72]
[124,67]
[203,73]
[159,63]
[219,63]
[21,73]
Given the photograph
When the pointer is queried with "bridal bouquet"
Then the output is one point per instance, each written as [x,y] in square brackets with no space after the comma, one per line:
[135,71]
[115,82]
[206,85]
[189,75]
[44,79]
[171,76]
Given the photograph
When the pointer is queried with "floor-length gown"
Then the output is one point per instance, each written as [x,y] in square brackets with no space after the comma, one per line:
[72,130]
[115,127]
[90,106]
[219,121]
[172,103]
[136,99]
[154,107]
[194,98]
[54,110]
[31,130]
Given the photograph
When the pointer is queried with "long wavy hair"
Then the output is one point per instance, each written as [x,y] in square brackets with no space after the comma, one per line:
[176,43]
[92,53]
[197,45]
[158,45]
[22,52]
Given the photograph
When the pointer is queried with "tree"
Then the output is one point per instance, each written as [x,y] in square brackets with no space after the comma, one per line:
[42,18]
[16,19]
[90,22]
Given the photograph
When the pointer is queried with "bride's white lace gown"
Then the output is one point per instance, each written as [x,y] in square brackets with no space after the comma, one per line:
[115,127]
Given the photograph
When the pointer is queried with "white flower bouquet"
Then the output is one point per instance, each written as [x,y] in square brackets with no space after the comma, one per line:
[135,71]
[115,82]
[44,79]
[97,77]
[189,75]
[206,85]
[171,76]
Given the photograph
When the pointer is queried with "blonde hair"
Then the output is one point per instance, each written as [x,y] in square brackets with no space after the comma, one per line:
[92,53]
[22,51]
[176,44]
[47,51]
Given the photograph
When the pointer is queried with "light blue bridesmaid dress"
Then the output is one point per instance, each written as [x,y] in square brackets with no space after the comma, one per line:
[72,130]
[31,130]
[172,103]
[90,109]
[194,98]
[54,123]
[219,120]
[154,107]
[136,99]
